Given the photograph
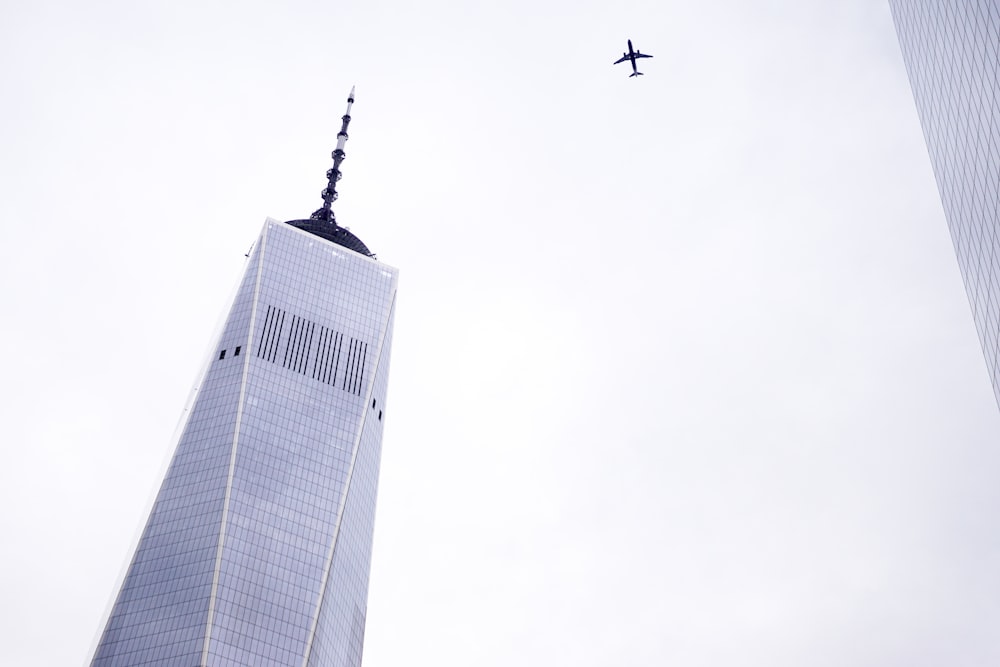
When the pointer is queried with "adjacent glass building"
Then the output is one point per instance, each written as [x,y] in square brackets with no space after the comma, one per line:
[257,548]
[951,52]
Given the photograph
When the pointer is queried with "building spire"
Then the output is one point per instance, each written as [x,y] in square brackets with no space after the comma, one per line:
[322,222]
[329,193]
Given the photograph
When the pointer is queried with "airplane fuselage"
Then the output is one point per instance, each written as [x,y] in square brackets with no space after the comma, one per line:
[631,56]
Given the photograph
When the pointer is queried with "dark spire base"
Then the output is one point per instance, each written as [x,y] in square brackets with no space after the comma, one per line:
[328,229]
[324,215]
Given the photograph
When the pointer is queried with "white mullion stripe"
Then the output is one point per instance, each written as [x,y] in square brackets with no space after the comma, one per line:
[232,456]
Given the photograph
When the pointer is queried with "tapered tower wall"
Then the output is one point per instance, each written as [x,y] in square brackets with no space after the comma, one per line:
[261,533]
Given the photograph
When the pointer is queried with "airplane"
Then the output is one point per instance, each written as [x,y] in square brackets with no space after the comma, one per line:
[632,55]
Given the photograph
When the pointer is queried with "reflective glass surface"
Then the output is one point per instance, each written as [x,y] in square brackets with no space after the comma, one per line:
[951,52]
[258,547]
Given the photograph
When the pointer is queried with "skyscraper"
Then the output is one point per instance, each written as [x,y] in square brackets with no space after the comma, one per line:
[257,548]
[951,52]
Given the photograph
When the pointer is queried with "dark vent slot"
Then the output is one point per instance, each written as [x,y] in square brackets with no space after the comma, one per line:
[307,341]
[322,343]
[354,367]
[291,337]
[237,352]
[361,369]
[328,354]
[277,337]
[264,331]
[222,355]
[336,360]
[274,323]
[299,344]
[292,340]
[349,368]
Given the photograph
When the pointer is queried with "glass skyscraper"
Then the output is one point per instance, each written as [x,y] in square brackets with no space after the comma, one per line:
[258,546]
[951,52]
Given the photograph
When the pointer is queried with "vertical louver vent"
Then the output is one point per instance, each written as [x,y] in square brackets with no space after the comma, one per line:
[298,344]
[270,333]
[328,355]
[355,367]
[314,350]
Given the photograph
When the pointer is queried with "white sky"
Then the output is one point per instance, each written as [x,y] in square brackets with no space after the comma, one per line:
[683,370]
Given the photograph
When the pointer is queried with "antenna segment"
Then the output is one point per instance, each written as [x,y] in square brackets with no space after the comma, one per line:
[333,175]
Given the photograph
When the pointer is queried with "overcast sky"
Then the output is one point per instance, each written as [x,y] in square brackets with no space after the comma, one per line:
[683,371]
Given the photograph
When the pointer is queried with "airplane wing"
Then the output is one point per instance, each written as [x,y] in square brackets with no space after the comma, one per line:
[643,55]
[620,60]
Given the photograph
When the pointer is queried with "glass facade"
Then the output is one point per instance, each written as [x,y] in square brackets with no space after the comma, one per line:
[951,52]
[258,546]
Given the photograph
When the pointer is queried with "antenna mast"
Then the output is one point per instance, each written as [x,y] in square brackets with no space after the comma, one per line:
[333,175]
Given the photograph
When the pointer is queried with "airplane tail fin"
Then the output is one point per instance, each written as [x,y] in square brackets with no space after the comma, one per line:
[634,74]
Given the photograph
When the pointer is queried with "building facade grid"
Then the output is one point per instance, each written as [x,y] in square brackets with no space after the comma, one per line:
[951,49]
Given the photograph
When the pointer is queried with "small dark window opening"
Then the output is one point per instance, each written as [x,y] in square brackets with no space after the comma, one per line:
[237,352]
[380,415]
[222,355]
[373,402]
